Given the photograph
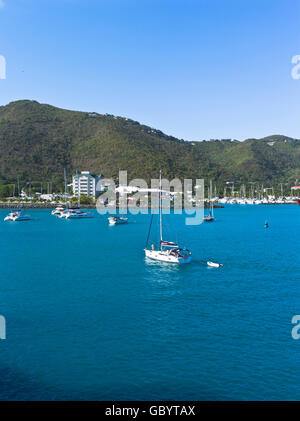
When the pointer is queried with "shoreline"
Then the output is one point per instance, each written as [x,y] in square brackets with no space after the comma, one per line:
[22,205]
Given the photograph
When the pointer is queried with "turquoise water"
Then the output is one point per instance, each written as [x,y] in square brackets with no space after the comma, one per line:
[87,318]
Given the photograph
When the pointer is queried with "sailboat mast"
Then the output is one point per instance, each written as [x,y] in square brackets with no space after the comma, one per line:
[160,210]
[65,179]
[78,189]
[211,203]
[149,231]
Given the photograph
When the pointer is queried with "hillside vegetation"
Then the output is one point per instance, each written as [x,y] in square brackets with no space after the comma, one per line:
[37,141]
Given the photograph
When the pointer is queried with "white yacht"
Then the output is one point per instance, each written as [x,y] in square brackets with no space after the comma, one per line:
[16,216]
[168,251]
[117,220]
[76,214]
[58,211]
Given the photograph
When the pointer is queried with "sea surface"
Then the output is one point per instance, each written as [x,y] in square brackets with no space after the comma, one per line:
[87,318]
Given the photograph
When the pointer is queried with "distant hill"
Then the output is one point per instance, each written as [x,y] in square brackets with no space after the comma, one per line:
[37,141]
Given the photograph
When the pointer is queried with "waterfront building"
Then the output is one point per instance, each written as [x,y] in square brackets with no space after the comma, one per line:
[89,184]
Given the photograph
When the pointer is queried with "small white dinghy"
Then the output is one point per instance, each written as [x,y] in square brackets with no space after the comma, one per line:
[214,265]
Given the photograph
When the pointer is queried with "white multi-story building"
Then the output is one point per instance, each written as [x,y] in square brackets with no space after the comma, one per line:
[89,184]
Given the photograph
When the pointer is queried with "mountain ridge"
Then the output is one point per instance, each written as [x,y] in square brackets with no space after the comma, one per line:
[38,140]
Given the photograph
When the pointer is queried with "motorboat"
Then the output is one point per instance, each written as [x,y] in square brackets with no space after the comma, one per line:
[76,214]
[117,220]
[58,210]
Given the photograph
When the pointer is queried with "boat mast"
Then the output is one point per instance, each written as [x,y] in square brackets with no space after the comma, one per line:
[149,231]
[160,213]
[78,190]
[211,203]
[65,179]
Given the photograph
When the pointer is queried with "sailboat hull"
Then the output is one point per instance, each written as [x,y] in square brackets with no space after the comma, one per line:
[164,256]
[208,219]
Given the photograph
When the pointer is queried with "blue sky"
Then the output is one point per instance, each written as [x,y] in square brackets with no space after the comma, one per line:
[194,69]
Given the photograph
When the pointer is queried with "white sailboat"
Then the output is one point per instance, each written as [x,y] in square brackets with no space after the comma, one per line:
[59,210]
[168,251]
[210,217]
[76,213]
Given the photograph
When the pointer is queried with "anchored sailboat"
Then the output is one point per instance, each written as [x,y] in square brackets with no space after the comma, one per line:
[210,217]
[168,251]
[59,210]
[76,213]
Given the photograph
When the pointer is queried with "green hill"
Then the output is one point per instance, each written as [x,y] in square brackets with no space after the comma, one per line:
[37,141]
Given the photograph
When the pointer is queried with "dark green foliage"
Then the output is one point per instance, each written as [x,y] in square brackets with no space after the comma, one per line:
[84,200]
[37,141]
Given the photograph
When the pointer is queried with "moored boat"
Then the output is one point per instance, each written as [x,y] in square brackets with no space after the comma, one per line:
[173,255]
[76,214]
[16,216]
[117,220]
[168,251]
[58,210]
[210,217]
